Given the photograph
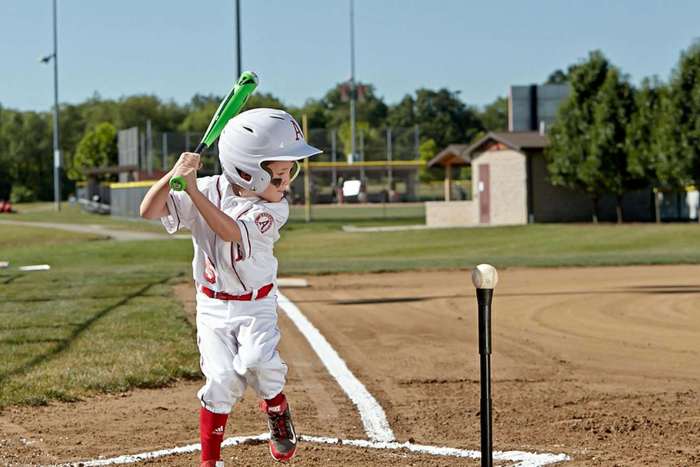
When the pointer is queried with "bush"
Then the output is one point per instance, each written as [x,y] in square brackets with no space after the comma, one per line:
[22,194]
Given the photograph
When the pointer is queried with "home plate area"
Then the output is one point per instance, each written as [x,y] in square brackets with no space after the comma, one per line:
[380,446]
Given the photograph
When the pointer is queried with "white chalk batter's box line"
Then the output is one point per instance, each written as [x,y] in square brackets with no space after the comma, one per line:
[523,459]
[373,417]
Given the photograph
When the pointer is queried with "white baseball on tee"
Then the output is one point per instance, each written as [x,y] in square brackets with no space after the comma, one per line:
[229,266]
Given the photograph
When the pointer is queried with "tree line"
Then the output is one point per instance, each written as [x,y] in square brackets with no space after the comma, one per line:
[610,136]
[613,137]
[88,129]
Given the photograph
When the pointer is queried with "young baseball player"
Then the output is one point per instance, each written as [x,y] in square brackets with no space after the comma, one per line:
[235,220]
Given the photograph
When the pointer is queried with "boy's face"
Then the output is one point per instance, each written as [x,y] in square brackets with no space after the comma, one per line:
[280,179]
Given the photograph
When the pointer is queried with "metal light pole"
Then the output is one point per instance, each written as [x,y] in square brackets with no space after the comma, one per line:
[239,70]
[56,136]
[353,91]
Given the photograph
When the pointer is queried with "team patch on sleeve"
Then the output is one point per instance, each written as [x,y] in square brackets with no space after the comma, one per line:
[263,221]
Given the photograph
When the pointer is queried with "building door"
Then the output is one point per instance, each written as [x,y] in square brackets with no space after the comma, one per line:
[484,194]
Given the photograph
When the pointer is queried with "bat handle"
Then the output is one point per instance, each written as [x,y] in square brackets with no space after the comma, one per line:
[178,183]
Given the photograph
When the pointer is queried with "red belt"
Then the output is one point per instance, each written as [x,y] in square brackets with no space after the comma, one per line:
[262,292]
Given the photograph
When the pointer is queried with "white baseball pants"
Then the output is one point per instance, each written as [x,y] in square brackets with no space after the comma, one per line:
[237,343]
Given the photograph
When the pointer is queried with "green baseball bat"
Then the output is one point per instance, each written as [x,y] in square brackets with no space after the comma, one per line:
[229,108]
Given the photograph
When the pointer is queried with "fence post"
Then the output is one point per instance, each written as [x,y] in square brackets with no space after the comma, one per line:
[362,155]
[142,151]
[416,141]
[149,147]
[164,148]
[307,175]
[389,157]
[334,170]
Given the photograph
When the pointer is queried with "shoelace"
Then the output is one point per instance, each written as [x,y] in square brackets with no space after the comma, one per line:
[279,426]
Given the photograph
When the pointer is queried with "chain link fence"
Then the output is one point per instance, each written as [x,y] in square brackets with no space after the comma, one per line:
[158,151]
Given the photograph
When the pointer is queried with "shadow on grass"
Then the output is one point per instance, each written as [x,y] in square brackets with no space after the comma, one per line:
[64,344]
[21,341]
[52,298]
[38,326]
[8,279]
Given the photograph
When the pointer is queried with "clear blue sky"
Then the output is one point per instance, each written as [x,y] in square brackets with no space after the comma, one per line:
[300,48]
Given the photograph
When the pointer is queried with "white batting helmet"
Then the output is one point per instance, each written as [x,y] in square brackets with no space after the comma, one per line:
[257,136]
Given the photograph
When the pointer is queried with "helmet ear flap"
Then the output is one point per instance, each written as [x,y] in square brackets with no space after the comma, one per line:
[295,171]
[245,176]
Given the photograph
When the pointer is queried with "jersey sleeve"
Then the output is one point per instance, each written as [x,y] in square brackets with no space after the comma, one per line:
[260,227]
[181,210]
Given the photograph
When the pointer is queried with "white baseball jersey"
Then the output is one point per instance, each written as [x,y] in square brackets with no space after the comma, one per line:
[222,266]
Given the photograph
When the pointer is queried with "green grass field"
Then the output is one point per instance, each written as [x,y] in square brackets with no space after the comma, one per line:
[72,214]
[405,213]
[104,317]
[323,248]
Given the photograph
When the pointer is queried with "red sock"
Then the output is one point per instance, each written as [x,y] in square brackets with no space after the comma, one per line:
[278,401]
[211,433]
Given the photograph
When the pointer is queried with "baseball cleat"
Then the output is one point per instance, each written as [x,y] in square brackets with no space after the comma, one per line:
[212,464]
[283,438]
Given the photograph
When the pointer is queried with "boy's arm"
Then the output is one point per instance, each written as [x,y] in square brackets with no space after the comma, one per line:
[226,228]
[153,205]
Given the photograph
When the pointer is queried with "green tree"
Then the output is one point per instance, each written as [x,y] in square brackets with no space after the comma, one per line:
[427,150]
[648,155]
[27,152]
[5,161]
[557,77]
[370,114]
[136,110]
[369,135]
[369,107]
[202,108]
[612,109]
[315,111]
[264,100]
[440,115]
[682,130]
[494,117]
[573,159]
[98,148]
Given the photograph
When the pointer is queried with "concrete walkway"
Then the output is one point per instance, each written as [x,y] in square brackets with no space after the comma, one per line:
[114,234]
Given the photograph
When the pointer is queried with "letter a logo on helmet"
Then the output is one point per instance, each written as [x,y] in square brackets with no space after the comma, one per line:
[297,131]
[257,136]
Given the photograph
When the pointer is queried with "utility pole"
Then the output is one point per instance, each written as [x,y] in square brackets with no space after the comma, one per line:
[56,138]
[353,91]
[239,70]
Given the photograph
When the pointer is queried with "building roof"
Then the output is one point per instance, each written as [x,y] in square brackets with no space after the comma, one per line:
[454,154]
[518,140]
[462,154]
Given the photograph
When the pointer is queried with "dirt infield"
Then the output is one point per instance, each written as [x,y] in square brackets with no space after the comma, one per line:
[600,363]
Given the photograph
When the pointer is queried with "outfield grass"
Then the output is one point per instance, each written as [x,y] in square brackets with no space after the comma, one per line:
[104,317]
[396,213]
[380,214]
[73,214]
[322,248]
